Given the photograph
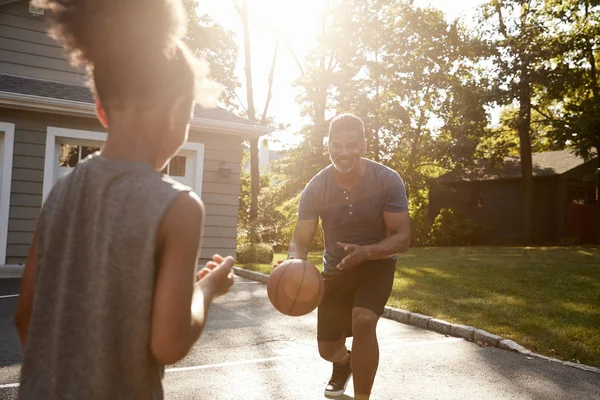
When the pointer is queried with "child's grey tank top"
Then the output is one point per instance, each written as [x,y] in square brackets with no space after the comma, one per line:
[89,335]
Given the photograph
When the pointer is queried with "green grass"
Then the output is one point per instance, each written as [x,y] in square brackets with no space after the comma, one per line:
[546,299]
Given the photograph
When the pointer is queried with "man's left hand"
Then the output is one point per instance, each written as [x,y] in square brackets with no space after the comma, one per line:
[357,254]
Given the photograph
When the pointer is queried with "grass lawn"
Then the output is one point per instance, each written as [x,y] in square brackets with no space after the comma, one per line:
[546,299]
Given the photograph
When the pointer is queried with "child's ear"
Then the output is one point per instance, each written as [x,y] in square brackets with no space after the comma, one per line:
[101,114]
[175,113]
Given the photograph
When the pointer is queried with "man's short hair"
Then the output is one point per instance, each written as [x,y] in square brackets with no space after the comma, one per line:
[347,122]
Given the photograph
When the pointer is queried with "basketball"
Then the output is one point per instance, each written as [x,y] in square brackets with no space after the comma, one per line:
[295,287]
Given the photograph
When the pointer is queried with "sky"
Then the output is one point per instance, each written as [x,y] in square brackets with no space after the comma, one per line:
[298,21]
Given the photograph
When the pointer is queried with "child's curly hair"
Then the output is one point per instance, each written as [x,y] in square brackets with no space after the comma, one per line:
[131,49]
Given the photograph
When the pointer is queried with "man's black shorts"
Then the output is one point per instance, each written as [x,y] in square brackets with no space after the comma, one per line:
[367,285]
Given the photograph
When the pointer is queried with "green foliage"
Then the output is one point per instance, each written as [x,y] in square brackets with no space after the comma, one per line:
[411,76]
[420,225]
[215,45]
[451,228]
[424,88]
[252,253]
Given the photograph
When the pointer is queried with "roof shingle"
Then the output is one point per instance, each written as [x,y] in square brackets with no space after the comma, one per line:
[82,94]
[544,164]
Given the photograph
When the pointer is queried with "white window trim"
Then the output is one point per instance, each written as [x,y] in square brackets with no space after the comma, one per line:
[7,147]
[52,133]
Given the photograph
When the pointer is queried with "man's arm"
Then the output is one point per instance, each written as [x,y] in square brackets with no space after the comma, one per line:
[303,236]
[397,222]
[308,220]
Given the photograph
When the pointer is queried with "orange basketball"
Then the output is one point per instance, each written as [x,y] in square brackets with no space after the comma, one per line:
[295,287]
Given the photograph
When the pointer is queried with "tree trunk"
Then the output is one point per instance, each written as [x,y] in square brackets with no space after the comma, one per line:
[320,100]
[596,93]
[376,141]
[525,153]
[254,171]
[523,128]
[598,193]
[255,178]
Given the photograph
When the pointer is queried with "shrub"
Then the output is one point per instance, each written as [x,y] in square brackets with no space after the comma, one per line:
[254,253]
[450,228]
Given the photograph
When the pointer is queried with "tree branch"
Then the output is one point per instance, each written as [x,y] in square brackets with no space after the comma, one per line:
[237,6]
[298,63]
[498,5]
[240,101]
[271,77]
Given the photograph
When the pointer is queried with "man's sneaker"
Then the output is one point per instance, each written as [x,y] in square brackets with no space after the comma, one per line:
[339,379]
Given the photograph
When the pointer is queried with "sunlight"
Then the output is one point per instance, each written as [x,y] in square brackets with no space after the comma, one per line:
[298,24]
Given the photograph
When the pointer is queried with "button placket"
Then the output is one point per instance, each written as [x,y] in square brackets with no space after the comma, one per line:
[349,204]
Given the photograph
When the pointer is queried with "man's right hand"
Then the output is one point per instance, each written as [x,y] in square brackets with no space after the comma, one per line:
[217,274]
[278,263]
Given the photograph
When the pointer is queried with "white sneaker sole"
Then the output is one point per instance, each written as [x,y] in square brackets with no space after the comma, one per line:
[339,392]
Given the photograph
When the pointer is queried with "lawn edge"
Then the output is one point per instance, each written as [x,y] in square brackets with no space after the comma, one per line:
[469,333]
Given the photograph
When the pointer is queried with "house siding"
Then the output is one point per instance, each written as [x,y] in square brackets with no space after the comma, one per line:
[220,194]
[27,50]
[501,214]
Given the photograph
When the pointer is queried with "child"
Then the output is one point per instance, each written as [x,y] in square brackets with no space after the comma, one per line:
[108,294]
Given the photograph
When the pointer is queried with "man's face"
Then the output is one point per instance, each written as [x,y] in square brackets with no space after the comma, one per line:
[345,150]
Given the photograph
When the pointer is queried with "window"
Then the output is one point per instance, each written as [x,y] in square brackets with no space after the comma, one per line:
[71,155]
[576,196]
[581,196]
[176,167]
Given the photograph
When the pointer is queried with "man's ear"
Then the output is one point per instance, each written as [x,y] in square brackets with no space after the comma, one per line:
[101,114]
[364,148]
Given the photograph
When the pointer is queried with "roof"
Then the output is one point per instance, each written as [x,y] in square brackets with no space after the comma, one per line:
[549,163]
[81,93]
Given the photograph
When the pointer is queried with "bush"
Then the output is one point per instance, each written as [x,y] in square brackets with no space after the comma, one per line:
[259,253]
[450,228]
[420,226]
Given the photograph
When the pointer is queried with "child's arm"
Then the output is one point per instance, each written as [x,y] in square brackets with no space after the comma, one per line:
[180,305]
[25,302]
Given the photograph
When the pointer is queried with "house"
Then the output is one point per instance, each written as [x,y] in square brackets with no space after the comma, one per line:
[564,198]
[48,124]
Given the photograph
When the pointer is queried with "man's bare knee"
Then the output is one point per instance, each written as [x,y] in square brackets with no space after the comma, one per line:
[333,351]
[364,321]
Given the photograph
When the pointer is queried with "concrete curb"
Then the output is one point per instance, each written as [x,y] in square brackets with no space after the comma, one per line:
[466,332]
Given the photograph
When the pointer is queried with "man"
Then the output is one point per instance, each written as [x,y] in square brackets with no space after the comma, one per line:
[364,212]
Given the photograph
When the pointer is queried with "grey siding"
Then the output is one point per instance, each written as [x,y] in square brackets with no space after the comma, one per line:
[502,214]
[220,194]
[27,50]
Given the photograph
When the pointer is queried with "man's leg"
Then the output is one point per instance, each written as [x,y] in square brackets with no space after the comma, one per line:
[365,351]
[334,318]
[374,288]
[335,352]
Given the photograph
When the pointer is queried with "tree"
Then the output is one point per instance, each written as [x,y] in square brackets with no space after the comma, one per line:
[571,105]
[409,75]
[317,83]
[242,10]
[216,45]
[515,28]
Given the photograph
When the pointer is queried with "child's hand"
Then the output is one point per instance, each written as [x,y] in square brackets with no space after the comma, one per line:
[217,275]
